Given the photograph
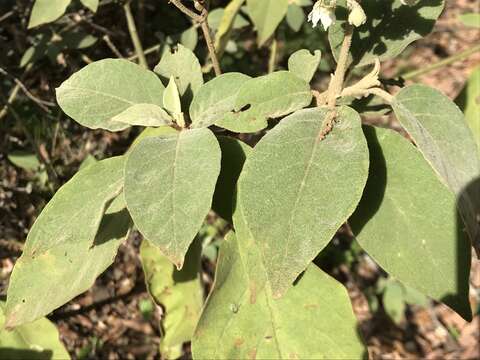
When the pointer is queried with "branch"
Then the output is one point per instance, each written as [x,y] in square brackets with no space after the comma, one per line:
[132,29]
[202,20]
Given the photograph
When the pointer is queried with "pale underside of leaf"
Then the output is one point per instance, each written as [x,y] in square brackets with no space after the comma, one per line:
[144,115]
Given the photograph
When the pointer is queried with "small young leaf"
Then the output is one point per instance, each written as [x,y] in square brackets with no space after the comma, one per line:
[393,301]
[408,223]
[390,28]
[169,184]
[144,115]
[179,292]
[266,16]
[71,242]
[296,189]
[171,98]
[91,4]
[106,88]
[183,65]
[37,340]
[439,130]
[242,322]
[46,11]
[270,96]
[303,64]
[234,154]
[189,38]
[215,99]
[470,19]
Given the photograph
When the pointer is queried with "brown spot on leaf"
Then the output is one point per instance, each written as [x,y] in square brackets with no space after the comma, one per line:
[252,354]
[293,356]
[310,306]
[238,342]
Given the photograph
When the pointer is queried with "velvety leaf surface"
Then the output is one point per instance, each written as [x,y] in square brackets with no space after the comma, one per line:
[234,154]
[169,184]
[296,190]
[37,340]
[71,242]
[180,294]
[183,65]
[216,99]
[407,222]
[269,96]
[313,321]
[304,64]
[390,28]
[106,88]
[439,129]
[144,115]
[45,11]
[266,15]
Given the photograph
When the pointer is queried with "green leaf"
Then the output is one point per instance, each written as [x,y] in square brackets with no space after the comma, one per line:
[234,154]
[266,16]
[179,292]
[295,17]
[163,131]
[106,88]
[71,242]
[189,38]
[230,20]
[183,65]
[242,322]
[393,301]
[296,189]
[24,160]
[270,96]
[216,99]
[91,4]
[46,11]
[469,102]
[439,130]
[144,115]
[218,21]
[171,98]
[408,224]
[390,28]
[303,64]
[169,184]
[470,19]
[37,340]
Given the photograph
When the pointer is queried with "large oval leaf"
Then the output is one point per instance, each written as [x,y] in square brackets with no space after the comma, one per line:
[270,96]
[439,129]
[38,340]
[408,223]
[239,322]
[106,88]
[169,184]
[180,293]
[390,28]
[216,99]
[45,11]
[296,189]
[71,242]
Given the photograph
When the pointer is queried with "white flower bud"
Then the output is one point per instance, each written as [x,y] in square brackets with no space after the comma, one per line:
[357,16]
[323,12]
